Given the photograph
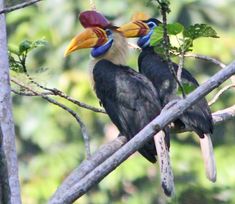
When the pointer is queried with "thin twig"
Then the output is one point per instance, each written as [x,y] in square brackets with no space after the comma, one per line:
[20,93]
[216,97]
[143,136]
[215,61]
[92,4]
[75,115]
[79,120]
[166,43]
[203,57]
[180,67]
[57,92]
[19,6]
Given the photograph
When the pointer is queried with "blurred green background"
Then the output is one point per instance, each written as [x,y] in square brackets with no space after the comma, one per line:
[49,140]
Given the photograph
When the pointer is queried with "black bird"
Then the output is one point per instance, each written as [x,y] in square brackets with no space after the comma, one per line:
[197,118]
[128,97]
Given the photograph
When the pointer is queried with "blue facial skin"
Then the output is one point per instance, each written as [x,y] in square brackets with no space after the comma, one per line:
[145,40]
[98,51]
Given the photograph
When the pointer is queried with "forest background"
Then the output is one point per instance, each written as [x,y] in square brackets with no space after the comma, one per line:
[49,141]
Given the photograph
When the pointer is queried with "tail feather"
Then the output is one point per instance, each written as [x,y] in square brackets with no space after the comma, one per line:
[167,178]
[208,157]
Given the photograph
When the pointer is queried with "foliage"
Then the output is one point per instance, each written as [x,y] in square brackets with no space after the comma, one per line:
[49,141]
[185,37]
[18,54]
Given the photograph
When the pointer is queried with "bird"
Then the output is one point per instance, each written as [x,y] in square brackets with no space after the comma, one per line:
[128,97]
[198,117]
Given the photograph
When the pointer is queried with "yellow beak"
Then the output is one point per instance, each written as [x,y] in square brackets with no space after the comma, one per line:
[134,29]
[89,38]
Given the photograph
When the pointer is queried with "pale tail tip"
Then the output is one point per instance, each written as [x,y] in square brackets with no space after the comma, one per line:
[212,177]
[168,190]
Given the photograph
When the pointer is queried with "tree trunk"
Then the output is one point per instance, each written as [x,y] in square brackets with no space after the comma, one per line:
[6,118]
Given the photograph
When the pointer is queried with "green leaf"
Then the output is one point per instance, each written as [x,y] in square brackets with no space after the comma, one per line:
[13,49]
[39,43]
[159,48]
[15,66]
[188,88]
[25,46]
[157,36]
[174,28]
[187,45]
[200,30]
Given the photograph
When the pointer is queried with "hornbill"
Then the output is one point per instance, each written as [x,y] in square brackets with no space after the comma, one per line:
[128,97]
[197,118]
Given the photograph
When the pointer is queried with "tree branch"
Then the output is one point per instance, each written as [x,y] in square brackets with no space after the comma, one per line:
[145,134]
[87,166]
[75,115]
[18,6]
[203,57]
[108,149]
[223,115]
[164,10]
[216,97]
[57,92]
[6,118]
[92,4]
[5,194]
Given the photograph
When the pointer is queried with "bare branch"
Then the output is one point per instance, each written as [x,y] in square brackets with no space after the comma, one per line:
[18,6]
[20,93]
[75,115]
[210,59]
[78,119]
[224,115]
[166,43]
[87,166]
[57,92]
[145,134]
[219,63]
[216,97]
[108,149]
[76,102]
[180,67]
[92,4]
[6,117]
[203,57]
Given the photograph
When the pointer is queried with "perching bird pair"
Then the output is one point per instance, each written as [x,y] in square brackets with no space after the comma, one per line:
[133,99]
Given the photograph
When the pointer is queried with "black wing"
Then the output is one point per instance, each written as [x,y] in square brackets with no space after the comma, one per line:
[129,98]
[198,117]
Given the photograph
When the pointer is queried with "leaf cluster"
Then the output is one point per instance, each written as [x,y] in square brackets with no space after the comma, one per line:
[18,54]
[185,37]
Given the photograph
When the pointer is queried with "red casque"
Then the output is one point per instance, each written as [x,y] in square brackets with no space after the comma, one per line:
[93,19]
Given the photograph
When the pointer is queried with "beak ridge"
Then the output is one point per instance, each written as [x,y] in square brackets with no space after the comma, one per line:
[89,38]
[134,29]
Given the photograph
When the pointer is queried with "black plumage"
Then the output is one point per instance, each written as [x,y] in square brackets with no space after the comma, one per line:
[130,100]
[198,117]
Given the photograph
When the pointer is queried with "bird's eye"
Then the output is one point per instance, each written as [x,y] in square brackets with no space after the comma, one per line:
[151,25]
[108,32]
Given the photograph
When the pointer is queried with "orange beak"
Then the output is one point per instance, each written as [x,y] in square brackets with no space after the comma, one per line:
[134,29]
[89,38]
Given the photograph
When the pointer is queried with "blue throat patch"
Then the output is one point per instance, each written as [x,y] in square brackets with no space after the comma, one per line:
[98,51]
[145,40]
